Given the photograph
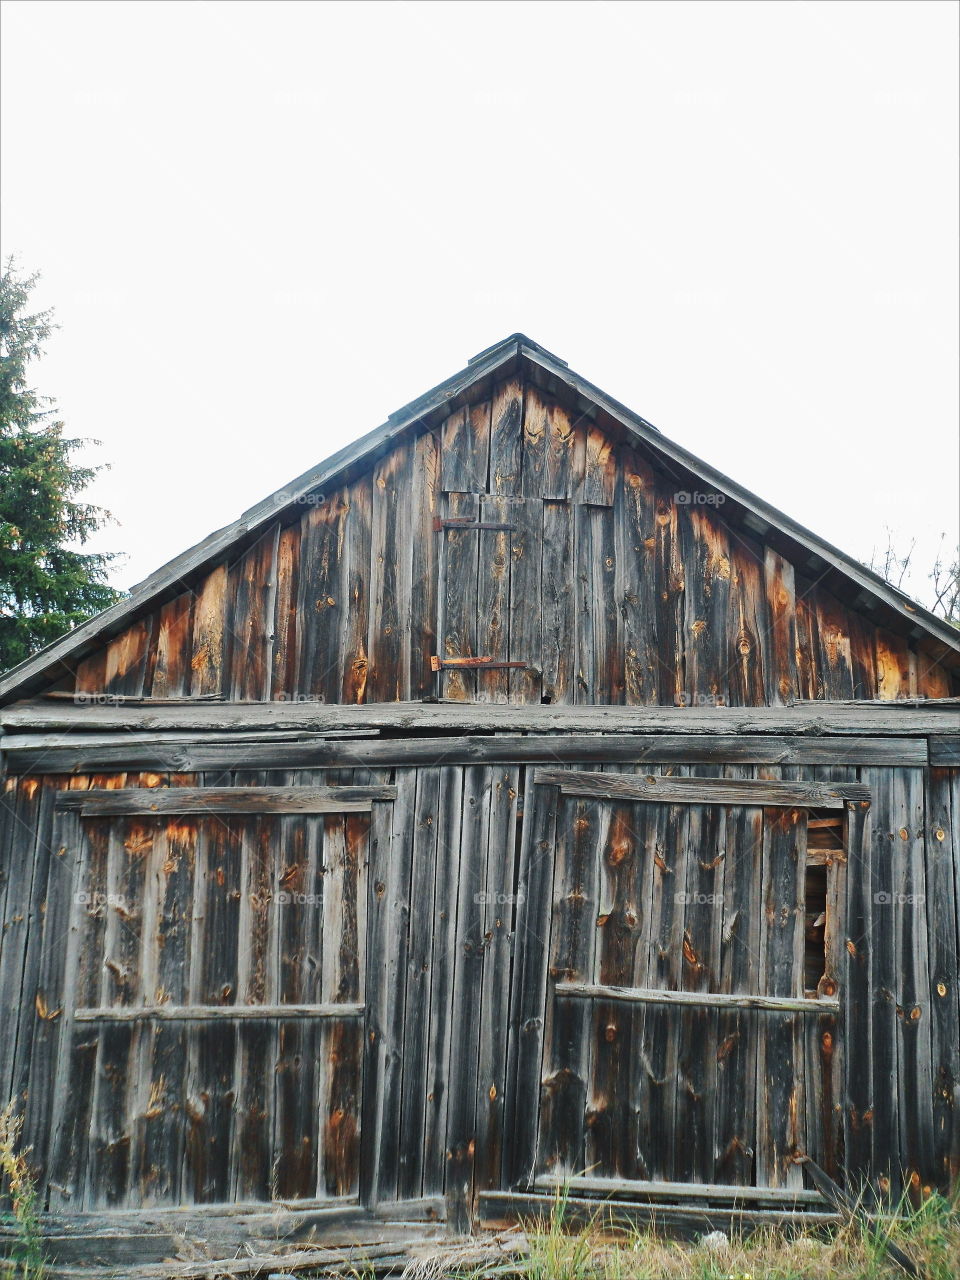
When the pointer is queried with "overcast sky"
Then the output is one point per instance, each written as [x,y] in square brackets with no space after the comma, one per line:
[264,227]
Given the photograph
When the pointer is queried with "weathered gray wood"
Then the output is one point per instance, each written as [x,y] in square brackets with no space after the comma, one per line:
[161,800]
[945,752]
[217,1012]
[25,753]
[670,790]
[737,1030]
[500,1206]
[531,951]
[696,999]
[942,852]
[811,718]
[679,1190]
[780,1102]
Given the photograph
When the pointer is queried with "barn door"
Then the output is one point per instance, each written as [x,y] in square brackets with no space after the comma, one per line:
[489,574]
[690,961]
[212,1040]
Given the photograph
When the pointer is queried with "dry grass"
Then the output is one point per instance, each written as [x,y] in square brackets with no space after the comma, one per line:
[931,1236]
[16,1185]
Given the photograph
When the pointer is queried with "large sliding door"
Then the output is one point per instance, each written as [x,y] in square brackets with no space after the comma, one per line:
[212,1038]
[682,934]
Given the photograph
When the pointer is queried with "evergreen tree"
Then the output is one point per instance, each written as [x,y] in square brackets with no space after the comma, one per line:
[46,585]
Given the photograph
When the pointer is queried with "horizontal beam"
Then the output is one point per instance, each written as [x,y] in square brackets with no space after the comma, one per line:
[668,790]
[945,751]
[254,800]
[679,1190]
[870,719]
[501,1206]
[178,752]
[696,999]
[218,1012]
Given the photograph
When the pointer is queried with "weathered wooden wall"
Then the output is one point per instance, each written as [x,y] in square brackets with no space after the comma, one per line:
[616,583]
[452,974]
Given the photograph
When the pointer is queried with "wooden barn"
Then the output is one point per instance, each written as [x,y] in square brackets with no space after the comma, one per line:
[511,800]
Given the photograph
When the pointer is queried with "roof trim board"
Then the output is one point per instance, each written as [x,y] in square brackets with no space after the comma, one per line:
[50,662]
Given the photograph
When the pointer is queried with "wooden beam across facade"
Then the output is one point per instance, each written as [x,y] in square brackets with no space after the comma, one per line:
[667,790]
[57,753]
[255,800]
[824,718]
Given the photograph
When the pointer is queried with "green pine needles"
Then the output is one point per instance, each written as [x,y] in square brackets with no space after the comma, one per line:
[47,585]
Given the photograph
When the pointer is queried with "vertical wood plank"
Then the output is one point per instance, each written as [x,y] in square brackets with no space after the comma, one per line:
[893,666]
[465,449]
[599,678]
[582,828]
[600,468]
[529,992]
[749,628]
[287,622]
[779,1077]
[557,619]
[835,660]
[257,984]
[467,987]
[493,599]
[942,850]
[208,634]
[706,604]
[308,894]
[171,673]
[881,946]
[611,1132]
[506,437]
[389,931]
[251,590]
[697,1092]
[498,920]
[425,503]
[810,674]
[388,678]
[669,596]
[526,591]
[418,1004]
[458,606]
[635,578]
[444,948]
[857,1021]
[129,659]
[913,991]
[781,677]
[344,937]
[737,1030]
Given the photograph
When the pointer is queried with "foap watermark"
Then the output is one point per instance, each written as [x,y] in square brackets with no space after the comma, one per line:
[284,498]
[97,901]
[699,700]
[498,899]
[698,899]
[698,498]
[888,898]
[285,898]
[83,699]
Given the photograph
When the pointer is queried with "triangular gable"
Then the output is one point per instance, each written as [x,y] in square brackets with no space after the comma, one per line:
[864,590]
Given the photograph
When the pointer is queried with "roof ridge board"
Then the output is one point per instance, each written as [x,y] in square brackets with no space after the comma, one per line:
[772,516]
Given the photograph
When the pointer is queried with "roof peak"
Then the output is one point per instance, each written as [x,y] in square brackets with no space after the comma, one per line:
[517,340]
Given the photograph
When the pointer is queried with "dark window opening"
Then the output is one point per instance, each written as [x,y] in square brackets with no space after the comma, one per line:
[825,849]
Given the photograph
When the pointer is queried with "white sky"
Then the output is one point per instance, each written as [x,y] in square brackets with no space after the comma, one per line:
[264,227]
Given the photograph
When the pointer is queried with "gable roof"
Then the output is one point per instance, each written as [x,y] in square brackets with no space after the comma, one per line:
[870,593]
